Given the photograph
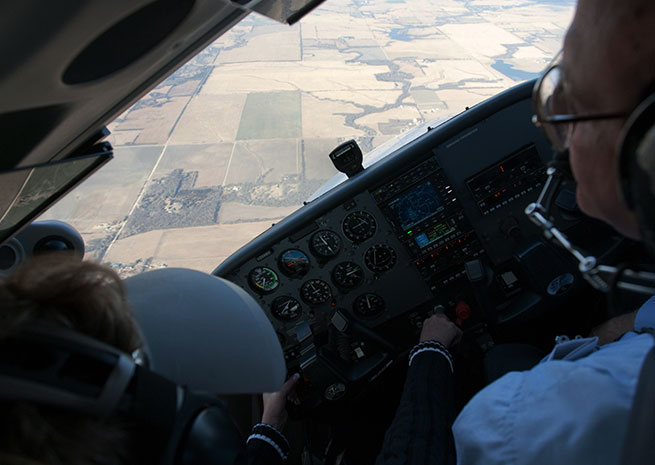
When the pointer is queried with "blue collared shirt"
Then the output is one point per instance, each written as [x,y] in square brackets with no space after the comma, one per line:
[559,412]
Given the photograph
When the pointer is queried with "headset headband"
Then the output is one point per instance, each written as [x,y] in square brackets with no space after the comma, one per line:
[47,365]
[63,368]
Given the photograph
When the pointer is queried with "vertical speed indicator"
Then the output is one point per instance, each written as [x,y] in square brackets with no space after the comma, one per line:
[347,275]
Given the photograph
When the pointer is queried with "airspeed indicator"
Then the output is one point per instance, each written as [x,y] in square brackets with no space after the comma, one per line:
[263,280]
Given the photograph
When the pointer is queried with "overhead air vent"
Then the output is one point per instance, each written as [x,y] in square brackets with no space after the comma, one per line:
[127,41]
[11,254]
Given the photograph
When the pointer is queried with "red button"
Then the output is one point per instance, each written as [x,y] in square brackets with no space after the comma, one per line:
[462,311]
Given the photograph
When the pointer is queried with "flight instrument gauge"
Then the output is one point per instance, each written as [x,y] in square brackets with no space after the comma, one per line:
[359,226]
[380,257]
[263,280]
[325,244]
[294,263]
[347,275]
[369,305]
[286,308]
[315,292]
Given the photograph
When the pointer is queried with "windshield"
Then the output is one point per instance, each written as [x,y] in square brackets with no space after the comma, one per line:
[239,137]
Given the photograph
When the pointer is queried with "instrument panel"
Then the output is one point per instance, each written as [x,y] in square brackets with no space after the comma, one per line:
[349,260]
[437,227]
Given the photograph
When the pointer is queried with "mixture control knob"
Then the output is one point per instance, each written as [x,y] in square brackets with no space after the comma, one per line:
[462,312]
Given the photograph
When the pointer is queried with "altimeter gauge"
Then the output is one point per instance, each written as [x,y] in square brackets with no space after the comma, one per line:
[263,279]
[325,244]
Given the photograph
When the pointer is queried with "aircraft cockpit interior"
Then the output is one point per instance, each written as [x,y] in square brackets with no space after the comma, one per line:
[438,225]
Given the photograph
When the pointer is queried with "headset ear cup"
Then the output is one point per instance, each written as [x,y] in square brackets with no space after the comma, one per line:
[213,438]
[637,168]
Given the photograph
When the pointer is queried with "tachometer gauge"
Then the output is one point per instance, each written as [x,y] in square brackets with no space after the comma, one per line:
[380,257]
[315,292]
[325,244]
[359,226]
[369,305]
[263,279]
[347,275]
[286,308]
[294,263]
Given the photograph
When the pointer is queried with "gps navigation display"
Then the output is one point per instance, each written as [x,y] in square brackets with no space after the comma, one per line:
[416,205]
[435,232]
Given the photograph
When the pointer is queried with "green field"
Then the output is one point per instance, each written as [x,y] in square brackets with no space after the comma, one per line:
[271,115]
[426,99]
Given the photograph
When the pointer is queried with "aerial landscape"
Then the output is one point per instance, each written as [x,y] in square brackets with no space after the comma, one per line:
[239,137]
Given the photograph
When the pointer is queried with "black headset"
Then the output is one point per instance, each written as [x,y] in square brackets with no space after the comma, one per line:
[61,367]
[637,168]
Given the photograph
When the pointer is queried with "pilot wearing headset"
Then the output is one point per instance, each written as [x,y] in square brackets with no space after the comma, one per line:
[582,403]
[62,324]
